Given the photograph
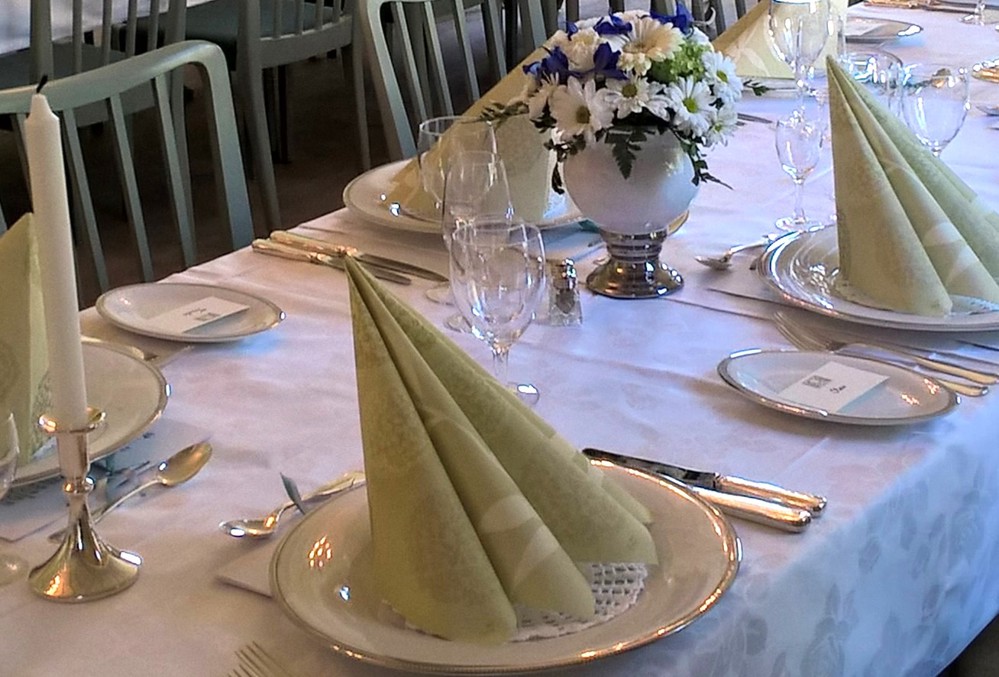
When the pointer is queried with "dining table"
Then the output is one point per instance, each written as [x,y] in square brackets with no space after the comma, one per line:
[896,576]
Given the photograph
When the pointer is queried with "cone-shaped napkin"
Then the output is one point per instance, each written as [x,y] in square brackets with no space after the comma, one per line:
[747,43]
[23,356]
[911,233]
[521,145]
[475,504]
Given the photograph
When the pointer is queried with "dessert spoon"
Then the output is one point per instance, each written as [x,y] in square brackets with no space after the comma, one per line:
[724,261]
[266,526]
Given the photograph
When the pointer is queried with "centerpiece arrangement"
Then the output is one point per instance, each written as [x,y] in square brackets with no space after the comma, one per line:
[632,100]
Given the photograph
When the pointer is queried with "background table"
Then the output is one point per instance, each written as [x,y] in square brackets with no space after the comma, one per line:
[895,579]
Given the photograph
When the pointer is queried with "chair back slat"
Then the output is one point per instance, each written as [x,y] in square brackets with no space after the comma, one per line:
[153,34]
[175,167]
[77,36]
[129,184]
[82,197]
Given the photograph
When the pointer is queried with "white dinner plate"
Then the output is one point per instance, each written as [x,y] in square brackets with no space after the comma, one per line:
[804,268]
[866,31]
[132,307]
[367,197]
[318,575]
[131,393]
[905,397]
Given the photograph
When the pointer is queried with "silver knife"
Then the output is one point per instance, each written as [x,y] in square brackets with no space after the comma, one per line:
[286,252]
[336,250]
[725,484]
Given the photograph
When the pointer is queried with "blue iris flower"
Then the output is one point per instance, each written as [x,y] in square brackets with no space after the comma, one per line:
[612,25]
[683,20]
[605,63]
[556,63]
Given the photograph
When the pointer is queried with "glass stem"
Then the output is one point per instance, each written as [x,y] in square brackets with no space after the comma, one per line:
[799,194]
[501,361]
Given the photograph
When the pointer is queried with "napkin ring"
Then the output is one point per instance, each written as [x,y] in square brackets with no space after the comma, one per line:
[84,567]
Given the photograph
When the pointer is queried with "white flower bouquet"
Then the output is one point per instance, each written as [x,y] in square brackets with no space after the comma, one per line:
[619,78]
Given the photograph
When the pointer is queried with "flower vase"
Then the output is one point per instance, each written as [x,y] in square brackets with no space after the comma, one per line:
[634,214]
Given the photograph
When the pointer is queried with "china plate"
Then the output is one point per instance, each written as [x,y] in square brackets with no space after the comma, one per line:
[132,394]
[131,307]
[906,397]
[366,196]
[864,31]
[803,267]
[318,575]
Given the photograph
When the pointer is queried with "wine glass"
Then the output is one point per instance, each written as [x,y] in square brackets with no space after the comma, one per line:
[877,70]
[10,566]
[799,146]
[935,101]
[798,31]
[498,277]
[980,16]
[441,137]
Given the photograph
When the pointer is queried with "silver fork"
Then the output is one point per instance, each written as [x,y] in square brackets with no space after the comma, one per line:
[254,661]
[806,338]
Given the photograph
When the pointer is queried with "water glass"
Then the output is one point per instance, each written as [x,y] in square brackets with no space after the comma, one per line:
[441,137]
[11,567]
[980,16]
[799,146]
[878,71]
[498,278]
[798,32]
[935,100]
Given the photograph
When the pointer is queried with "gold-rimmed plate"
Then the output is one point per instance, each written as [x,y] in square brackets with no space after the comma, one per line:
[131,393]
[320,577]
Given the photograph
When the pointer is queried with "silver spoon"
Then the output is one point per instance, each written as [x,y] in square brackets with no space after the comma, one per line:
[724,261]
[990,109]
[175,470]
[266,526]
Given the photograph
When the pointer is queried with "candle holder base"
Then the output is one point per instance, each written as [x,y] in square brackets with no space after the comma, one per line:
[84,567]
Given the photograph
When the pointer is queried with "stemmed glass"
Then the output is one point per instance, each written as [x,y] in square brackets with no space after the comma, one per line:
[935,101]
[10,566]
[799,30]
[980,16]
[799,146]
[498,277]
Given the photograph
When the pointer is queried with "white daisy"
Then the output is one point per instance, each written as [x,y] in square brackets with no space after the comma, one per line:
[581,110]
[650,41]
[721,127]
[540,96]
[659,102]
[721,71]
[692,101]
[580,48]
[628,96]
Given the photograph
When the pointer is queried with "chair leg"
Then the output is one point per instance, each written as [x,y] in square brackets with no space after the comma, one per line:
[260,146]
[354,65]
[283,114]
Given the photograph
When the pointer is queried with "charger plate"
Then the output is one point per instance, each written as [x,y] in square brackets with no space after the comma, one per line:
[866,31]
[131,308]
[320,576]
[367,197]
[804,268]
[905,397]
[131,392]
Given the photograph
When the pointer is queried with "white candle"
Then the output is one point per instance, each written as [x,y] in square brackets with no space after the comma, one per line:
[50,202]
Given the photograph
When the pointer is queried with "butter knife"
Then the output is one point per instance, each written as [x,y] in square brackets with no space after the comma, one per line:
[725,484]
[336,250]
[286,252]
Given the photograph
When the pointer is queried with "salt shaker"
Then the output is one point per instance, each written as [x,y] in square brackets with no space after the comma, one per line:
[564,308]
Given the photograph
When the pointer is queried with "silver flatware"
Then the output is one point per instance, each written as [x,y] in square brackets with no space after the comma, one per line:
[291,253]
[266,526]
[754,118]
[759,511]
[728,484]
[337,250]
[724,260]
[256,661]
[175,470]
[807,339]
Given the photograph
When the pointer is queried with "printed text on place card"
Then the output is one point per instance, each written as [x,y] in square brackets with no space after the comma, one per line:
[832,386]
[197,314]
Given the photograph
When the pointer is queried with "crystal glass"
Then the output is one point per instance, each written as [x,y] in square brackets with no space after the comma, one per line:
[799,31]
[498,278]
[935,101]
[11,567]
[476,184]
[980,16]
[799,147]
[441,137]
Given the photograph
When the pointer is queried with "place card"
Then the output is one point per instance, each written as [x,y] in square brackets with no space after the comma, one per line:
[196,314]
[832,386]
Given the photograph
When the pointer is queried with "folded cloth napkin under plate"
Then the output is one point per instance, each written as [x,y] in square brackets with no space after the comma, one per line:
[528,163]
[475,503]
[747,42]
[23,348]
[912,235]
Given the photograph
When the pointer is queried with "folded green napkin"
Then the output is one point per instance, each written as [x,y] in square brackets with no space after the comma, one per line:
[521,145]
[911,233]
[23,357]
[475,503]
[747,43]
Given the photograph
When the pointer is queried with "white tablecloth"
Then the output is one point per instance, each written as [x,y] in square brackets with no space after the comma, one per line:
[895,579]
